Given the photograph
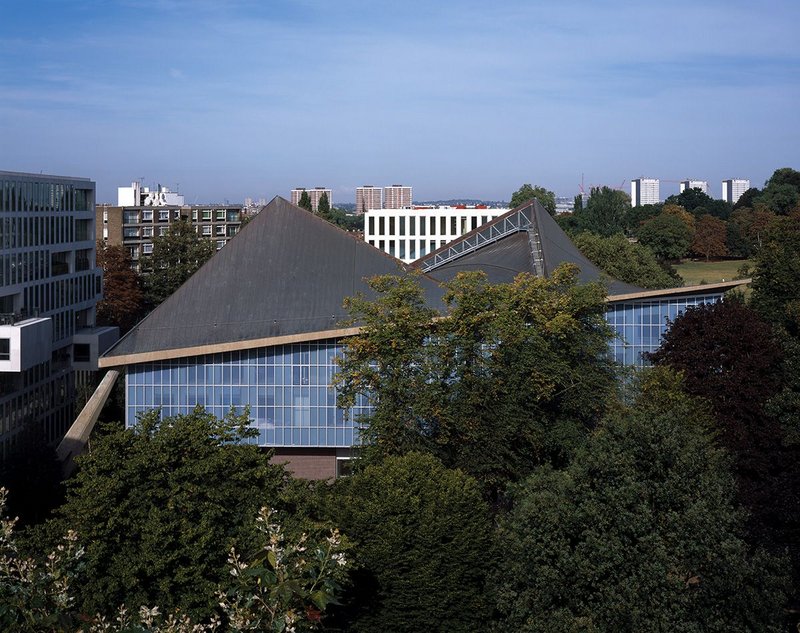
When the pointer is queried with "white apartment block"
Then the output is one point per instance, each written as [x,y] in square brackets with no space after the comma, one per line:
[733,189]
[396,197]
[315,194]
[702,185]
[49,287]
[138,196]
[645,191]
[368,197]
[411,233]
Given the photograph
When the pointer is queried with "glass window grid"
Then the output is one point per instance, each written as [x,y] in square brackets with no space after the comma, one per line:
[286,387]
[639,325]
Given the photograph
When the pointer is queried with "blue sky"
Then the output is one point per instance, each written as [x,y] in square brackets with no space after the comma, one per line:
[235,98]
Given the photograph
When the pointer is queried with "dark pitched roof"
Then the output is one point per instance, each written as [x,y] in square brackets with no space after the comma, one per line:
[286,273]
[526,239]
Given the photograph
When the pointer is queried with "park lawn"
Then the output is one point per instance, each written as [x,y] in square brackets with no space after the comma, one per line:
[696,272]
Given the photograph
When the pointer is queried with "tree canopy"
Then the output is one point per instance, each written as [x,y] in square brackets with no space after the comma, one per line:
[513,375]
[423,535]
[627,261]
[667,235]
[176,256]
[305,201]
[159,507]
[710,237]
[528,192]
[605,213]
[123,302]
[638,533]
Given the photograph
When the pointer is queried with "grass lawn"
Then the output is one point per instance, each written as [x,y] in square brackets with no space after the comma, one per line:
[696,272]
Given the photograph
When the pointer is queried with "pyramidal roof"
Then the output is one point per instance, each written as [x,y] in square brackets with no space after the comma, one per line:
[285,275]
[526,239]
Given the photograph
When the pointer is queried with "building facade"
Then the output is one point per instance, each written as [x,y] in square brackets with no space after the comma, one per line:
[397,197]
[49,287]
[702,185]
[645,191]
[217,343]
[135,227]
[368,197]
[733,189]
[411,233]
[138,196]
[314,195]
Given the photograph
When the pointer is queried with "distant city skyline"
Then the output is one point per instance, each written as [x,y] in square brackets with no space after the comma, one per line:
[204,96]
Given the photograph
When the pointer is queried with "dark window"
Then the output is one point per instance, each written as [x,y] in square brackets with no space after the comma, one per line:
[82,354]
[5,349]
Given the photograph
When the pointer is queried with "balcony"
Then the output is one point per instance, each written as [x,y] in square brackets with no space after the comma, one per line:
[24,342]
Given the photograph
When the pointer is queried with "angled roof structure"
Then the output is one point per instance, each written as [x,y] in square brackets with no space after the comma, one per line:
[526,239]
[283,278]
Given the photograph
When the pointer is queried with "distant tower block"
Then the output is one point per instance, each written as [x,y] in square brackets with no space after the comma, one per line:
[733,189]
[368,197]
[644,191]
[702,185]
[314,194]
[396,197]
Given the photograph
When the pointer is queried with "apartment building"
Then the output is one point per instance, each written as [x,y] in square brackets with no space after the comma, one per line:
[368,197]
[396,197]
[411,233]
[645,191]
[49,287]
[135,227]
[733,189]
[314,194]
[702,185]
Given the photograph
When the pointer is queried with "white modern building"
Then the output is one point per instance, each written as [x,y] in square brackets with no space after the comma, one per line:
[368,197]
[397,197]
[49,287]
[314,194]
[136,195]
[414,232]
[733,189]
[702,185]
[645,191]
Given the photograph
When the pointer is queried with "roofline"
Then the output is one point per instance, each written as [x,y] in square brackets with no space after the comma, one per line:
[106,362]
[646,294]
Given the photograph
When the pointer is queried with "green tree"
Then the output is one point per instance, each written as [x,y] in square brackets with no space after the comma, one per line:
[510,376]
[710,237]
[123,302]
[305,201]
[160,506]
[781,198]
[605,213]
[622,259]
[698,203]
[528,192]
[638,533]
[666,235]
[424,547]
[176,256]
[324,206]
[776,278]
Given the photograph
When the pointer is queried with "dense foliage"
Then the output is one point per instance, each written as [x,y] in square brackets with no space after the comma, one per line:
[511,377]
[422,539]
[160,507]
[528,192]
[123,302]
[638,533]
[176,256]
[627,261]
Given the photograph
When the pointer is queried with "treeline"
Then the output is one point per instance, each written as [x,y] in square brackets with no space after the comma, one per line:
[691,224]
[511,480]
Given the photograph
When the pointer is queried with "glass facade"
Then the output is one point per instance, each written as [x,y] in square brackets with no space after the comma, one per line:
[639,325]
[285,386]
